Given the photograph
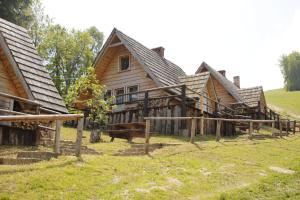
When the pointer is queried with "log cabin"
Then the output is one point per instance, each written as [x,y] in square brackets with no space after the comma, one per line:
[145,83]
[25,86]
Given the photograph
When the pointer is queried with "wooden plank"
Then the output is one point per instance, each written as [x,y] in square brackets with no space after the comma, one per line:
[218,131]
[79,138]
[273,128]
[280,128]
[193,131]
[147,136]
[57,137]
[1,135]
[183,106]
[250,129]
[202,126]
[287,125]
[21,118]
[294,127]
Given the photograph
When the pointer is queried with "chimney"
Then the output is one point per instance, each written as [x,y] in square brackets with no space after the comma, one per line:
[223,72]
[160,51]
[236,81]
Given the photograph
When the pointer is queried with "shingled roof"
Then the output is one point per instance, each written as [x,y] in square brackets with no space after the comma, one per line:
[19,48]
[195,82]
[161,70]
[251,96]
[231,88]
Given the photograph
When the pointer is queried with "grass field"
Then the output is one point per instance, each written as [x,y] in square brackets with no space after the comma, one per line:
[285,102]
[235,168]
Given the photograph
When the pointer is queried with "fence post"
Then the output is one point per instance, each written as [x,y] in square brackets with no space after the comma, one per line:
[183,106]
[294,127]
[273,128]
[250,129]
[146,104]
[147,136]
[202,126]
[79,137]
[193,130]
[280,128]
[287,127]
[218,131]
[57,137]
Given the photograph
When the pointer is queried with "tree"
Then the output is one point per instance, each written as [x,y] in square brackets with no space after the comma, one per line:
[67,53]
[87,92]
[290,68]
[17,11]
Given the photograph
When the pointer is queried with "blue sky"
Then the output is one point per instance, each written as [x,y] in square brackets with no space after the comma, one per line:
[244,37]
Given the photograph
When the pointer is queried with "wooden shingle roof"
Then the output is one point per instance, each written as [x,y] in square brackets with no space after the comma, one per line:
[196,82]
[161,70]
[251,96]
[23,56]
[231,88]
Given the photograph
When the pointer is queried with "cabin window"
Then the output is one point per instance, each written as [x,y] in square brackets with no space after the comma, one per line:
[124,63]
[108,94]
[119,95]
[131,89]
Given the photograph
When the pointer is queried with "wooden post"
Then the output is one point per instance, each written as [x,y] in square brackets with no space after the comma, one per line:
[147,136]
[79,137]
[193,130]
[287,126]
[1,136]
[218,131]
[250,129]
[202,126]
[57,137]
[273,128]
[146,104]
[258,112]
[280,128]
[294,128]
[266,114]
[183,106]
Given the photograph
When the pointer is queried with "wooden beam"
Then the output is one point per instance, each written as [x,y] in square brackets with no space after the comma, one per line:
[12,112]
[250,129]
[273,128]
[57,137]
[218,130]
[146,104]
[294,127]
[202,125]
[193,130]
[183,105]
[19,98]
[147,136]
[1,136]
[79,137]
[21,118]
[115,44]
[280,128]
[49,111]
[287,124]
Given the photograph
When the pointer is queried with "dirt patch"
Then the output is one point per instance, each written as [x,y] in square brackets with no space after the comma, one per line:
[174,181]
[281,170]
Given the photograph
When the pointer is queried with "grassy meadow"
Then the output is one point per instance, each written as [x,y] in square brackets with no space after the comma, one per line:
[234,168]
[287,103]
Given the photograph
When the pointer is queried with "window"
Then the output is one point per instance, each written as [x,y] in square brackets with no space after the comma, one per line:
[120,99]
[124,63]
[131,89]
[108,94]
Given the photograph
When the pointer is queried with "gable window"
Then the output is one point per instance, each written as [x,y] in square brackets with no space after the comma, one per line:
[124,63]
[131,89]
[119,99]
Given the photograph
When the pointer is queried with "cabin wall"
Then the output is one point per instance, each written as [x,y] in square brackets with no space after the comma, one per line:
[6,83]
[113,79]
[225,97]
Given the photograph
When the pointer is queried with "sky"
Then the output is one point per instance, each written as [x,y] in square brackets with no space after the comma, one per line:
[243,37]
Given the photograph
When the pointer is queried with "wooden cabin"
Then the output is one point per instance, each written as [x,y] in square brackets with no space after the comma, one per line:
[25,86]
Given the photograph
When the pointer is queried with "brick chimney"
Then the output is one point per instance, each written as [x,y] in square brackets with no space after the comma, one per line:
[236,81]
[223,72]
[160,51]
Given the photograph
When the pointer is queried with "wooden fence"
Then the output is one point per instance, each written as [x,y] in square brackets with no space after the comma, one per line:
[53,117]
[218,126]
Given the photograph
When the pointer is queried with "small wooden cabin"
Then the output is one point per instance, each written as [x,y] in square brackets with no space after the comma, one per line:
[25,85]
[145,83]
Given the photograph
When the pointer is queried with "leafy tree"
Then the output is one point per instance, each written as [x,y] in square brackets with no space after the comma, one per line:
[87,92]
[67,53]
[17,11]
[290,68]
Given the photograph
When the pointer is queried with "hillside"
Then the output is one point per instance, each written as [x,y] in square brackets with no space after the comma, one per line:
[284,102]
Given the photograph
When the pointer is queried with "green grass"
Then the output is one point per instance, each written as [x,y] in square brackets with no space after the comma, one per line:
[285,102]
[235,168]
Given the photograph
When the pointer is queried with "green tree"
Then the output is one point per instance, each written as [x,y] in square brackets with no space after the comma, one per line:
[290,68]
[67,53]
[87,92]
[17,11]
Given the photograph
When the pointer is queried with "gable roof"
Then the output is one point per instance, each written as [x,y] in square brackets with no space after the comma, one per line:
[28,66]
[196,82]
[231,88]
[161,70]
[251,96]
